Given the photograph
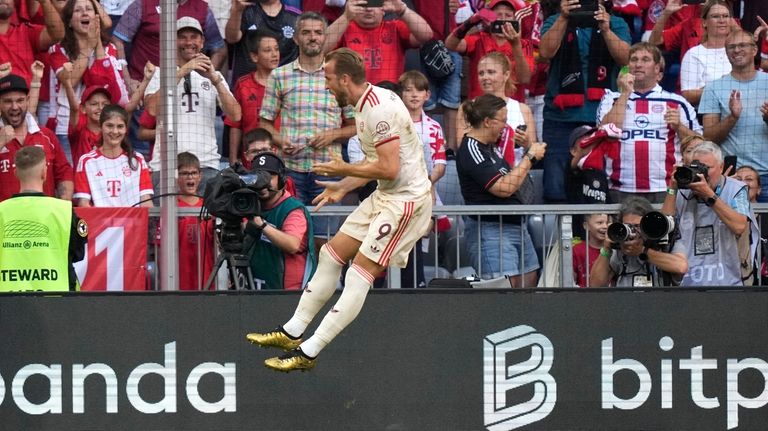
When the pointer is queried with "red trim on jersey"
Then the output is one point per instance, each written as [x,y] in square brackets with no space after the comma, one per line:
[370,97]
[401,225]
[390,139]
[491,181]
[642,166]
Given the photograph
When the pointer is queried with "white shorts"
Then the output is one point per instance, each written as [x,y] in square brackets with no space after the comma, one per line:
[388,229]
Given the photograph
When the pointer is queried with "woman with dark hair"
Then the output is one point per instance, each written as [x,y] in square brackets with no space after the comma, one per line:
[487,179]
[113,174]
[93,62]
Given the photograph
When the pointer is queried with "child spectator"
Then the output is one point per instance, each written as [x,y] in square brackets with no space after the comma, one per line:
[195,236]
[415,94]
[259,141]
[250,88]
[113,175]
[586,252]
[84,130]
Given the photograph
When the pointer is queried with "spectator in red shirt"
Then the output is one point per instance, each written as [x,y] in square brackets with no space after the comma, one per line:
[195,236]
[586,252]
[250,88]
[685,34]
[84,130]
[18,128]
[381,43]
[508,41]
[20,41]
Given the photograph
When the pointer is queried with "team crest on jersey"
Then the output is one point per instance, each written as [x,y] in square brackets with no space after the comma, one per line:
[82,228]
[382,128]
[386,37]
[657,108]
[127,171]
[288,32]
[206,85]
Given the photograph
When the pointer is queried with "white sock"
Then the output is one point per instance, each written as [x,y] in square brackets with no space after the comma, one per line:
[356,286]
[318,291]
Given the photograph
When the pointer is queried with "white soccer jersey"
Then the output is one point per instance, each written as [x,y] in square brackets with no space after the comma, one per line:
[649,148]
[431,134]
[380,117]
[197,117]
[110,182]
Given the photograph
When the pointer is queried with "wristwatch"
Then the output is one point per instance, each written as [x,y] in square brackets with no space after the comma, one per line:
[711,200]
[531,157]
[644,255]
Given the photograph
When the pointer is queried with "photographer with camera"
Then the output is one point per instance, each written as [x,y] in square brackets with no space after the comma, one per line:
[714,213]
[281,258]
[636,257]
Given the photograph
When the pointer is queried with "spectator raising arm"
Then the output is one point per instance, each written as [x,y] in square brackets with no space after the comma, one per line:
[658,29]
[54,26]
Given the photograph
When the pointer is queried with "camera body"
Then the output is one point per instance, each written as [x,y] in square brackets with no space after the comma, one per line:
[232,197]
[685,175]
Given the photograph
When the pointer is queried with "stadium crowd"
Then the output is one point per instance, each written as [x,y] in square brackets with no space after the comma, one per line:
[617,89]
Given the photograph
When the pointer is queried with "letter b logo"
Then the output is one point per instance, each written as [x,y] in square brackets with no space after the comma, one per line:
[501,377]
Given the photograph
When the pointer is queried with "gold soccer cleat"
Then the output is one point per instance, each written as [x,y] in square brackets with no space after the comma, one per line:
[291,361]
[277,338]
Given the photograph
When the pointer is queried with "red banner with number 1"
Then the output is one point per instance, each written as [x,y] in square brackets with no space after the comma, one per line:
[116,254]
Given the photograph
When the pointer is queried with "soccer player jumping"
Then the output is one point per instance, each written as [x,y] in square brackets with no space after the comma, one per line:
[380,232]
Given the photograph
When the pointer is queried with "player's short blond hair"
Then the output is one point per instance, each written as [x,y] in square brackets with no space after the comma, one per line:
[28,161]
[348,62]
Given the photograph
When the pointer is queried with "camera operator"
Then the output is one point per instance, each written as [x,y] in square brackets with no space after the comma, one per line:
[713,215]
[636,262]
[281,258]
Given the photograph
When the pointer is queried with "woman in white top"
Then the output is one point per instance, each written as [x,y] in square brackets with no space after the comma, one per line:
[706,62]
[494,76]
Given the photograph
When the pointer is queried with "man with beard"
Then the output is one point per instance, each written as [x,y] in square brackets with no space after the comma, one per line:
[20,41]
[312,123]
[283,257]
[18,128]
[200,88]
[379,233]
[735,108]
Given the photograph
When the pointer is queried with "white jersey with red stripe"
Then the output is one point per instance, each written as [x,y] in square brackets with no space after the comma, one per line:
[110,182]
[431,134]
[381,117]
[649,148]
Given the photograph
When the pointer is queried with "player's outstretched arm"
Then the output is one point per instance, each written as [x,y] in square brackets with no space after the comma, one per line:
[385,168]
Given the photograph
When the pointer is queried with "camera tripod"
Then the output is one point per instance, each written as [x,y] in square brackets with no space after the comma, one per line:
[239,271]
[231,247]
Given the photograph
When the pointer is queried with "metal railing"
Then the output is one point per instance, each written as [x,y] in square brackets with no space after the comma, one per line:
[447,257]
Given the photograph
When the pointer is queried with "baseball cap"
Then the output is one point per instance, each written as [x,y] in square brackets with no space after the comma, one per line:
[269,162]
[188,22]
[578,133]
[95,89]
[13,83]
[516,5]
